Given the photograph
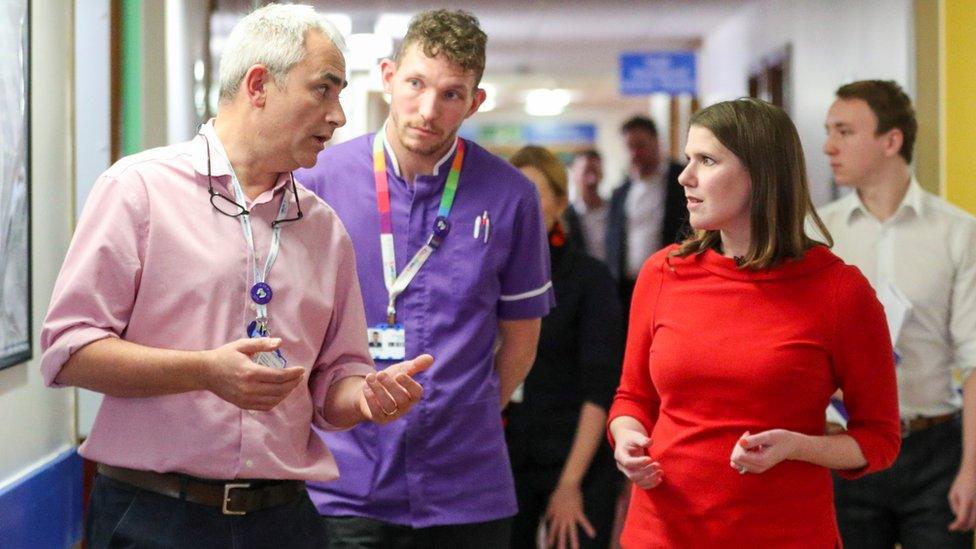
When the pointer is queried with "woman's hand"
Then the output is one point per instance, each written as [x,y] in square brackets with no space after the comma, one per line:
[761,452]
[633,461]
[565,511]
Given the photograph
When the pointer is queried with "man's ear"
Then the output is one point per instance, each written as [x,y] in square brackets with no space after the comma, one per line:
[255,85]
[893,140]
[388,68]
[479,97]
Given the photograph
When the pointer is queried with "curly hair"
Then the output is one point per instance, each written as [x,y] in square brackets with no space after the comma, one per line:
[455,34]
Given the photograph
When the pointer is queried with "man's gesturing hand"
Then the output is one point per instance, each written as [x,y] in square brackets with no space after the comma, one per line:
[389,394]
[229,373]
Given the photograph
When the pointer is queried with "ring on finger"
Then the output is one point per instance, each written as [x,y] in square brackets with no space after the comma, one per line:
[742,469]
[393,413]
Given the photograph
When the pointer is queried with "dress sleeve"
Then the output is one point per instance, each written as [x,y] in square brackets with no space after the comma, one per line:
[863,362]
[96,289]
[600,335]
[636,397]
[344,351]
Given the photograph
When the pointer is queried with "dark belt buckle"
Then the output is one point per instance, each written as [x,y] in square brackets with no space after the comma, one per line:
[227,488]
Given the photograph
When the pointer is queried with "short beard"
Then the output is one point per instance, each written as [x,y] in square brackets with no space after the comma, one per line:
[426,151]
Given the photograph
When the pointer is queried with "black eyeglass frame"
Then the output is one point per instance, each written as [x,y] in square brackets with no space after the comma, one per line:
[244,211]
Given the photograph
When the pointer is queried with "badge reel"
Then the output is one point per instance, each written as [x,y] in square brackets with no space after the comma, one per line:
[261,294]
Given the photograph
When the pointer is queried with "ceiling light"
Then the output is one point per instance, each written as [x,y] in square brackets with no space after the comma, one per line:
[546,102]
[394,25]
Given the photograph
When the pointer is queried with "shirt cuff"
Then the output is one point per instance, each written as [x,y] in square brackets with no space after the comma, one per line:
[69,342]
[531,304]
[322,384]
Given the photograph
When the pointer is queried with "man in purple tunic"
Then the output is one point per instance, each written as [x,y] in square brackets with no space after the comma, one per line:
[452,260]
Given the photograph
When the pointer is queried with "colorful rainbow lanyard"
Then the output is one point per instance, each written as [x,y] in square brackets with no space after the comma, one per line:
[396,284]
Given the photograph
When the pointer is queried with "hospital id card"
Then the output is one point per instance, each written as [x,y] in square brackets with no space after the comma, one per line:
[386,341]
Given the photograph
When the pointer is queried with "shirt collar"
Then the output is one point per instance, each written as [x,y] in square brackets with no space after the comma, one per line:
[913,200]
[396,164]
[219,165]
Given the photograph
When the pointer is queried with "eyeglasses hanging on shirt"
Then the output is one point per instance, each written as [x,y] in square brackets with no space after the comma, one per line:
[232,208]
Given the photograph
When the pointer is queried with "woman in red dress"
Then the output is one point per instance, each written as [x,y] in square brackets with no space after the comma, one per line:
[738,337]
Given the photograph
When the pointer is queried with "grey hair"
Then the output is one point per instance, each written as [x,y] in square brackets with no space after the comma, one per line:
[273,36]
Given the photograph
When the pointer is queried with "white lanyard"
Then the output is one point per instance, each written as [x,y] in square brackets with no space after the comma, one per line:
[260,276]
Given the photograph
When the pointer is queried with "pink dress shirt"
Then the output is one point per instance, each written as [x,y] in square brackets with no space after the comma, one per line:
[152,262]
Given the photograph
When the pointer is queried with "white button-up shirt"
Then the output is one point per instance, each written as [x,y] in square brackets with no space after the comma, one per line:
[645,218]
[594,224]
[927,250]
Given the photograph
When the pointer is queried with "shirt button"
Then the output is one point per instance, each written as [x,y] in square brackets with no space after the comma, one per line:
[252,412]
[249,463]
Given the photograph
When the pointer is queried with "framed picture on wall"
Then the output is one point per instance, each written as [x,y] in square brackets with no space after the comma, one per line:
[15,268]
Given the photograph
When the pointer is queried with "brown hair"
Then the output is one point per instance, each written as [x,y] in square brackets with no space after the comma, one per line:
[541,159]
[764,139]
[890,105]
[455,34]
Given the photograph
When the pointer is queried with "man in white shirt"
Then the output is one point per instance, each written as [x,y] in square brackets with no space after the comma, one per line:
[648,211]
[586,216]
[919,252]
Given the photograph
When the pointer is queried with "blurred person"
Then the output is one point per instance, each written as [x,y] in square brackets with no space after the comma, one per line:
[213,365]
[647,211]
[451,254]
[738,337]
[564,469]
[918,250]
[586,216]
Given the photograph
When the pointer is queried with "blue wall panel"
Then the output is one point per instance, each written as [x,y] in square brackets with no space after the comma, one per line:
[44,509]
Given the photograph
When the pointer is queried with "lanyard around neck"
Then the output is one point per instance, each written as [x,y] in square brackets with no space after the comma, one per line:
[396,284]
[260,275]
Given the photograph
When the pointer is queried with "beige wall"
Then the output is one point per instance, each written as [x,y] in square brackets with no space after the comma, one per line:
[37,421]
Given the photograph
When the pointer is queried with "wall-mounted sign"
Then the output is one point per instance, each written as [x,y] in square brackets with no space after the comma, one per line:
[671,72]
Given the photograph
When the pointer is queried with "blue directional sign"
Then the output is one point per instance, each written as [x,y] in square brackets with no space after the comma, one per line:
[644,73]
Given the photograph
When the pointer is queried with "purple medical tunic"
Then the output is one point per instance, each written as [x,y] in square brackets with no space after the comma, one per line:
[445,462]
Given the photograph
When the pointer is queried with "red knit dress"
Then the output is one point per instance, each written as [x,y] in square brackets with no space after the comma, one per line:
[714,351]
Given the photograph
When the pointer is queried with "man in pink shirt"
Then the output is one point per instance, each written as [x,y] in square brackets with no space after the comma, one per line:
[214,301]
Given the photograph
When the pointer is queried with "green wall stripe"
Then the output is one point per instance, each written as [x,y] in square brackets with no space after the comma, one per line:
[131,76]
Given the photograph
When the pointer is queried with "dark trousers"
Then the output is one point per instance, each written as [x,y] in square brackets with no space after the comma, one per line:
[908,503]
[534,485]
[120,515]
[367,533]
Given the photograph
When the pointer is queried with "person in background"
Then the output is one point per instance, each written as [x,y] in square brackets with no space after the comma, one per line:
[564,469]
[213,363]
[452,258]
[586,216]
[738,337]
[919,253]
[647,212]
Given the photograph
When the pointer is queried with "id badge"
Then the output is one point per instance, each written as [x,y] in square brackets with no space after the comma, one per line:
[386,342]
[271,359]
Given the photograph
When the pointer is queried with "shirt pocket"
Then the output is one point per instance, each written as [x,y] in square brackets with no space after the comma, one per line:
[474,259]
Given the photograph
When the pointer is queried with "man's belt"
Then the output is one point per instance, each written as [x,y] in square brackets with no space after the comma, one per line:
[233,497]
[914,425]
